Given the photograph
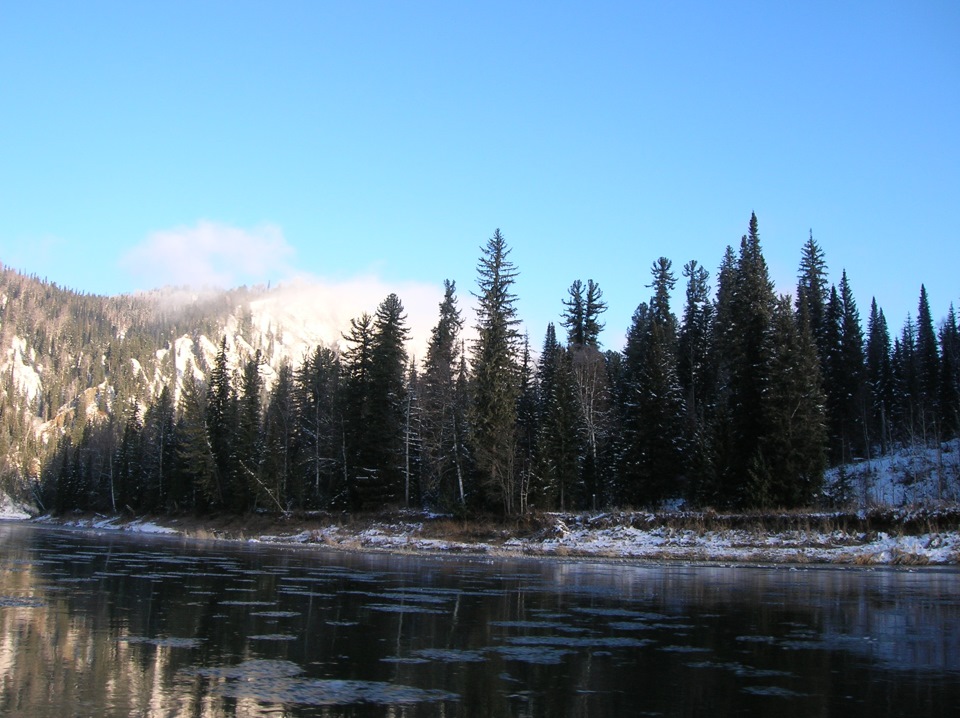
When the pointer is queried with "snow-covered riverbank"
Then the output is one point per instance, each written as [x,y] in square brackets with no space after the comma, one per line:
[813,538]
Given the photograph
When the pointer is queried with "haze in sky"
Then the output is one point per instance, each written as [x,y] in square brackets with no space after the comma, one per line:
[227,143]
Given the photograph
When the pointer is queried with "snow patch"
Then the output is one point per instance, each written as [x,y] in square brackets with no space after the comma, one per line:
[9,509]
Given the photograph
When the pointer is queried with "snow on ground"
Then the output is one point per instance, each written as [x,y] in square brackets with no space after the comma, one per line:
[623,541]
[913,475]
[597,536]
[10,510]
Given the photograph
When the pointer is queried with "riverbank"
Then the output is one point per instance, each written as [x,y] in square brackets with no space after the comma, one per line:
[876,537]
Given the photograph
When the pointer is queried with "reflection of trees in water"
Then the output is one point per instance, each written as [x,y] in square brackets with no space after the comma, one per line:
[163,628]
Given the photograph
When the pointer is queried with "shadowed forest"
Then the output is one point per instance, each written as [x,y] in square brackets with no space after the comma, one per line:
[739,399]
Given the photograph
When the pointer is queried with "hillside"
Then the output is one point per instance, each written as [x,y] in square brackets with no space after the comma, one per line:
[67,357]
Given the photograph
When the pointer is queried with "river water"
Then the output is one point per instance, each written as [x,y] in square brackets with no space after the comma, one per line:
[118,625]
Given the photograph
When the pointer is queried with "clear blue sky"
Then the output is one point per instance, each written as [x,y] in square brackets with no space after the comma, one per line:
[389,140]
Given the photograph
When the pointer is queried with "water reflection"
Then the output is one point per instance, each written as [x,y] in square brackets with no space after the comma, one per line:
[155,626]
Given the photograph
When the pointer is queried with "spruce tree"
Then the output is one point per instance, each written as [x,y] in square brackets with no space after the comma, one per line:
[879,378]
[319,479]
[159,450]
[359,462]
[812,291]
[527,428]
[928,368]
[197,480]
[906,385]
[442,415]
[743,344]
[845,375]
[950,375]
[788,470]
[221,426]
[595,306]
[387,419]
[574,313]
[279,440]
[495,377]
[561,435]
[652,462]
[251,490]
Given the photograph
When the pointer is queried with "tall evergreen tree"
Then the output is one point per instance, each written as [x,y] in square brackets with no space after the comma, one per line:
[443,418]
[159,450]
[360,462]
[279,439]
[743,342]
[495,381]
[376,366]
[221,427]
[788,470]
[574,313]
[581,316]
[561,434]
[906,385]
[879,378]
[527,428]
[950,375]
[319,479]
[812,291]
[251,491]
[652,462]
[928,368]
[197,480]
[845,375]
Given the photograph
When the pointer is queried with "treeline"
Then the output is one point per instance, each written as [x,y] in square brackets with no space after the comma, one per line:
[742,402]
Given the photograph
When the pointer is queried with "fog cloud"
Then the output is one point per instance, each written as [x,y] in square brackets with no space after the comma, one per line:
[210,254]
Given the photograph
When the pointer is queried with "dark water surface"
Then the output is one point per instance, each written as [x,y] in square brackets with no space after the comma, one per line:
[118,625]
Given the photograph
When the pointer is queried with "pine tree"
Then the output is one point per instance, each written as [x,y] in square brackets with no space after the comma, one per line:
[159,451]
[812,291]
[788,471]
[221,426]
[561,434]
[595,306]
[879,377]
[495,379]
[197,480]
[375,408]
[279,439]
[319,477]
[906,385]
[693,347]
[928,368]
[652,462]
[251,490]
[575,313]
[442,417]
[527,428]
[359,461]
[743,344]
[950,375]
[845,375]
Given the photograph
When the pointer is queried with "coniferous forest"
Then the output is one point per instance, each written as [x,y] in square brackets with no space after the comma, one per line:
[739,399]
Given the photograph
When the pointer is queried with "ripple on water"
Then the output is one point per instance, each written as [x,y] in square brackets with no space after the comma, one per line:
[20,602]
[451,655]
[168,642]
[281,682]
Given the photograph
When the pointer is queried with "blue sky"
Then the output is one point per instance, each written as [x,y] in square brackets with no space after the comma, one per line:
[143,144]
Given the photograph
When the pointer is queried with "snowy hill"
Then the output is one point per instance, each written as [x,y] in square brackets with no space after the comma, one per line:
[66,358]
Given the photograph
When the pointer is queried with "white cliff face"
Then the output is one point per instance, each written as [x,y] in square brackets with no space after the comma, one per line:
[19,363]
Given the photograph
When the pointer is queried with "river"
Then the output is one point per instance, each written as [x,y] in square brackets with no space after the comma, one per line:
[111,624]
